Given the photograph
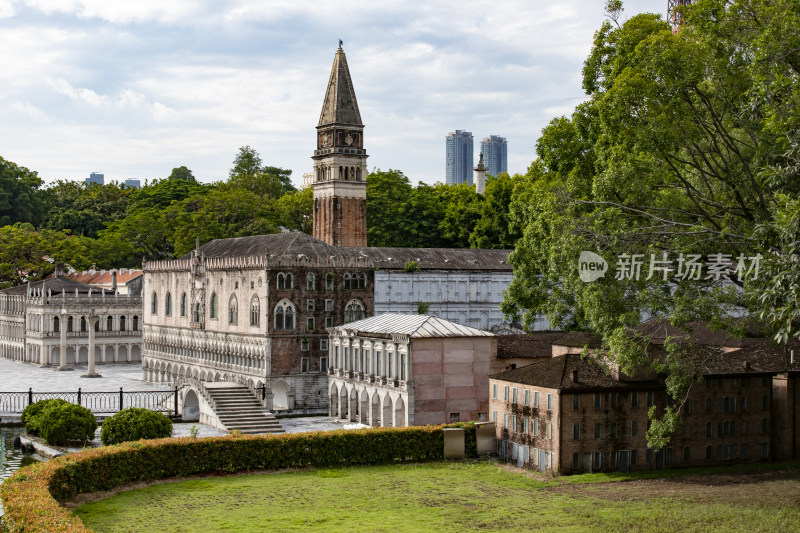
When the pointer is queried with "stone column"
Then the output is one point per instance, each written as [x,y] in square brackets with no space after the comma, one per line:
[62,351]
[92,319]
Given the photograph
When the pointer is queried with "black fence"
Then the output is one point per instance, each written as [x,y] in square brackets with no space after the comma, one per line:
[164,401]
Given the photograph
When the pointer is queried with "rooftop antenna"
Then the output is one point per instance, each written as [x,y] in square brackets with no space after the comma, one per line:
[675,13]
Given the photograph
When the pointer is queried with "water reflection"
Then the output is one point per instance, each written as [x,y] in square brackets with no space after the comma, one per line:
[11,458]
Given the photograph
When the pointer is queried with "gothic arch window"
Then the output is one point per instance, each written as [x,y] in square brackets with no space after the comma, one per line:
[97,326]
[197,313]
[168,304]
[284,315]
[288,281]
[83,324]
[213,307]
[354,310]
[56,325]
[362,280]
[69,325]
[310,282]
[255,311]
[122,323]
[135,323]
[109,323]
[329,281]
[233,310]
[281,281]
[154,303]
[183,304]
[347,285]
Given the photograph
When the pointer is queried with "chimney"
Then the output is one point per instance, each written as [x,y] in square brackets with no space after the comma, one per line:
[113,280]
[574,376]
[59,270]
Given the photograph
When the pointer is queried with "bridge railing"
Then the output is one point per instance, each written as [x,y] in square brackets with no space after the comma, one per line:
[106,402]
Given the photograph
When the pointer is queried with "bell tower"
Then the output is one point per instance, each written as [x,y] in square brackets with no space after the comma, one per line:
[340,163]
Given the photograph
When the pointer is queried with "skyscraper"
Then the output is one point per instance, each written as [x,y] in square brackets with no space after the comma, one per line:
[459,158]
[495,154]
[96,177]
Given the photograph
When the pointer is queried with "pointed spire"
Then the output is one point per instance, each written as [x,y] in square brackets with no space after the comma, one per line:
[340,106]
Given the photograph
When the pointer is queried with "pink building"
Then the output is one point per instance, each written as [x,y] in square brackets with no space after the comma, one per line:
[404,370]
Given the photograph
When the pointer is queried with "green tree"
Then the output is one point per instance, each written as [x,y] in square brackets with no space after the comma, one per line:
[181,173]
[295,210]
[387,192]
[246,163]
[462,211]
[29,255]
[84,209]
[688,145]
[20,200]
[494,229]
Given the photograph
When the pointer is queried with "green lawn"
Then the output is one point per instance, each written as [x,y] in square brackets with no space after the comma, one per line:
[477,496]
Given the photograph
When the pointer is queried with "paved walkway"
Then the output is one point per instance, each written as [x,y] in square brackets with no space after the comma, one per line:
[19,377]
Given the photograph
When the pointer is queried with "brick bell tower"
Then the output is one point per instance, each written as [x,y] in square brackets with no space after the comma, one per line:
[340,163]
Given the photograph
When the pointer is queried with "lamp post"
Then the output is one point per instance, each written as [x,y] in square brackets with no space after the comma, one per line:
[92,319]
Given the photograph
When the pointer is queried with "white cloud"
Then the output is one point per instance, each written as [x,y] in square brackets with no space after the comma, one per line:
[137,88]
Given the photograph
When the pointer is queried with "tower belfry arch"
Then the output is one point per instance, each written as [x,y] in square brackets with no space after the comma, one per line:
[340,163]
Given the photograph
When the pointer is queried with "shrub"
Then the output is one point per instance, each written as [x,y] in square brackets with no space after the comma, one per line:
[135,423]
[62,423]
[31,414]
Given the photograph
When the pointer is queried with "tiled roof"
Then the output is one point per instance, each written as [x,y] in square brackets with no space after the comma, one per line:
[700,333]
[533,345]
[104,277]
[294,244]
[415,326]
[556,373]
[437,258]
[579,339]
[54,285]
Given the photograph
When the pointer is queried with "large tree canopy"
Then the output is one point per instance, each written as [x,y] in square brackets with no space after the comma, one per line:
[19,201]
[686,149]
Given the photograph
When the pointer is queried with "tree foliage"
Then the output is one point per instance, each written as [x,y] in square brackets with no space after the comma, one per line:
[688,146]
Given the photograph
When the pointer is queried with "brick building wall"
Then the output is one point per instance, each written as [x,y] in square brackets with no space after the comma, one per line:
[726,420]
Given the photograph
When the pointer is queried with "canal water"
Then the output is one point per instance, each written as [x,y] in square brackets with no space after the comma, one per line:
[11,458]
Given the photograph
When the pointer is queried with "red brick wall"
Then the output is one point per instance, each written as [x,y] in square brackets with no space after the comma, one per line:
[341,226]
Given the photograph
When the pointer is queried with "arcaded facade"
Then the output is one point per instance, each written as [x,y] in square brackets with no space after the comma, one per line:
[40,320]
[405,370]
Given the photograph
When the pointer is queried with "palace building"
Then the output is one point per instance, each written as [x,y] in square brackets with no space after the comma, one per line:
[47,322]
[256,310]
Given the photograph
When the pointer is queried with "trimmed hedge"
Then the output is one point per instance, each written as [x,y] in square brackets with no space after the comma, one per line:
[135,423]
[30,497]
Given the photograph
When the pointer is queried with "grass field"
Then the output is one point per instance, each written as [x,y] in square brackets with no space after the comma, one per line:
[477,496]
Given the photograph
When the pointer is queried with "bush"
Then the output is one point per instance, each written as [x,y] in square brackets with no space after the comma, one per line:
[135,423]
[62,423]
[31,414]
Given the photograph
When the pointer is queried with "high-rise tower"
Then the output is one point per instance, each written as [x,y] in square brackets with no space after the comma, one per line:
[458,158]
[340,163]
[494,150]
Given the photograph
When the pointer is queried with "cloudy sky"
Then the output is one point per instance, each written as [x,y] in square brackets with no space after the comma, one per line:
[135,88]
